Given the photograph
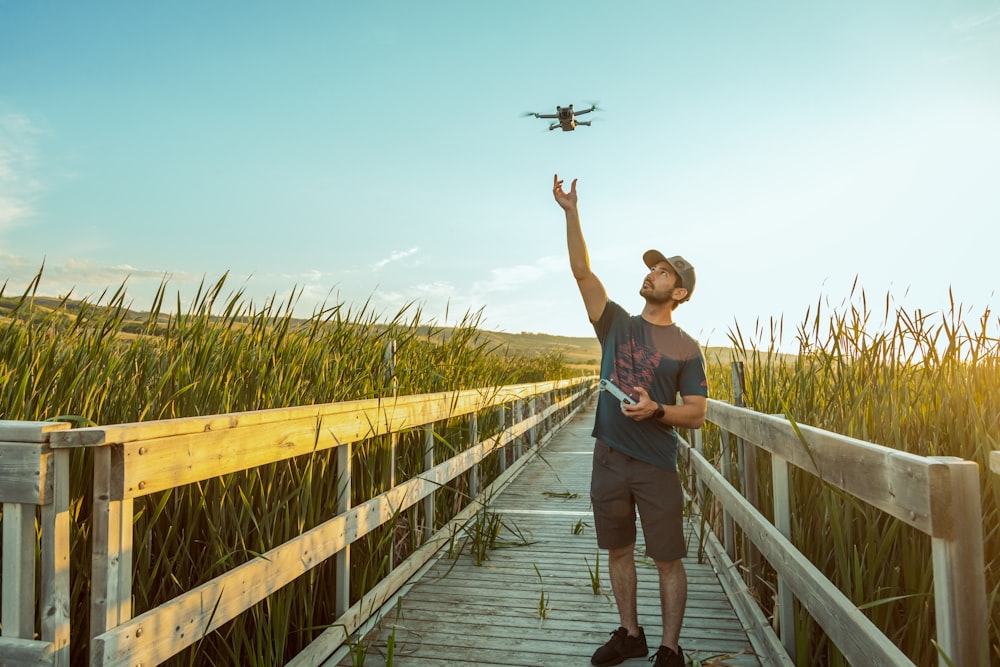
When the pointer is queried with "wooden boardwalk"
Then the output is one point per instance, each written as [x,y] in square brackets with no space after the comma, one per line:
[534,605]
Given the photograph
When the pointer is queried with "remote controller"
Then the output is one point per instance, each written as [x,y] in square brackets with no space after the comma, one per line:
[612,388]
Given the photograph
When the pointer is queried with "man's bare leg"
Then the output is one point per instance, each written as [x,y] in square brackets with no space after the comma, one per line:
[673,598]
[621,568]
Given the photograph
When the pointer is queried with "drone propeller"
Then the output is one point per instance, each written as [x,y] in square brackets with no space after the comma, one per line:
[528,114]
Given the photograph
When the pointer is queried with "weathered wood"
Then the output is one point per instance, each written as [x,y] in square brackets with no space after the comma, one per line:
[429,520]
[346,623]
[766,645]
[29,431]
[209,606]
[783,522]
[995,462]
[894,481]
[25,653]
[421,408]
[55,563]
[458,614]
[111,558]
[28,481]
[24,473]
[152,465]
[960,609]
[850,630]
[343,556]
[18,571]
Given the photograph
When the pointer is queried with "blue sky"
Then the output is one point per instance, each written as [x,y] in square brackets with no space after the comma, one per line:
[376,152]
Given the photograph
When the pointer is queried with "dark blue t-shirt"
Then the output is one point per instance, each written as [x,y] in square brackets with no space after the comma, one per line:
[664,361]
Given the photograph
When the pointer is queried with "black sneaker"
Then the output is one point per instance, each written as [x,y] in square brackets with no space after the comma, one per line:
[620,648]
[665,657]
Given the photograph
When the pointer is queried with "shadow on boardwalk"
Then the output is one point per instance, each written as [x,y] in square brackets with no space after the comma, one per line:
[534,604]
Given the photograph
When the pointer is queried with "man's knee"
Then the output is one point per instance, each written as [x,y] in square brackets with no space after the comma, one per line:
[622,553]
[668,567]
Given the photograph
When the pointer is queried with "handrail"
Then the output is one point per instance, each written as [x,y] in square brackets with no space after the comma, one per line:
[937,495]
[133,460]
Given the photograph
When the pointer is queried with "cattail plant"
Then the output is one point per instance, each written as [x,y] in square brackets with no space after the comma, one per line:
[97,362]
[925,383]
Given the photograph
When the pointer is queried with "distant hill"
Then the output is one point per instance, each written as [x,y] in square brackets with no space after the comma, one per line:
[582,354]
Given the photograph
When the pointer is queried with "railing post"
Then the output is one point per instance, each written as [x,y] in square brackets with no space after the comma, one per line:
[428,464]
[502,426]
[696,437]
[343,557]
[728,525]
[473,442]
[518,418]
[393,383]
[533,432]
[35,475]
[748,476]
[111,553]
[959,569]
[783,522]
[18,570]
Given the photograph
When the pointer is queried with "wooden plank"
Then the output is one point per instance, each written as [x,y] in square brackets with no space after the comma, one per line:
[766,645]
[345,624]
[149,466]
[960,609]
[24,653]
[995,462]
[30,431]
[423,409]
[459,613]
[218,601]
[24,473]
[783,522]
[55,563]
[111,572]
[894,481]
[850,630]
[18,571]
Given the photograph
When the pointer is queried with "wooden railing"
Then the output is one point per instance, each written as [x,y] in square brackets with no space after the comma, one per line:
[33,476]
[133,460]
[938,496]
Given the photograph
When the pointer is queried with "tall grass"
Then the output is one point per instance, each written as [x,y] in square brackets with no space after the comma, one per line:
[926,383]
[97,362]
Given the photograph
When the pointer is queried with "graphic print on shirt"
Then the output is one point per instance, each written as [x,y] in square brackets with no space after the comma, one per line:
[635,366]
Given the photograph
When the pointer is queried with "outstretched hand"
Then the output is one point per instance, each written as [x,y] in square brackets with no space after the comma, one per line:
[567,200]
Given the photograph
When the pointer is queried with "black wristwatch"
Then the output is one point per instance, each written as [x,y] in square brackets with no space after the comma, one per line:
[659,412]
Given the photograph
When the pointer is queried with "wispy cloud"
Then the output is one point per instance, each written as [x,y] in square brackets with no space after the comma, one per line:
[966,24]
[18,158]
[88,279]
[395,257]
[517,277]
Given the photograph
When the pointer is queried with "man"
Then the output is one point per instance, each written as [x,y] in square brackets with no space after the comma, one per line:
[635,450]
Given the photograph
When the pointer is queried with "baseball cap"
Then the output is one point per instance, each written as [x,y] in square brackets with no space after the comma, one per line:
[680,265]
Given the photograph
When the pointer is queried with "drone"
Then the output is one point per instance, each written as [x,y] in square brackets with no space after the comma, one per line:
[566,117]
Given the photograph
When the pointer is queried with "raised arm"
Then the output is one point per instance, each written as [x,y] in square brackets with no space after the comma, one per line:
[591,289]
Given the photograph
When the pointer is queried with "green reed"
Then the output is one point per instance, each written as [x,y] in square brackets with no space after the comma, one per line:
[98,362]
[926,383]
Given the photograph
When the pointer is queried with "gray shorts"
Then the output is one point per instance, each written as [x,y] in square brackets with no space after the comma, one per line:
[619,484]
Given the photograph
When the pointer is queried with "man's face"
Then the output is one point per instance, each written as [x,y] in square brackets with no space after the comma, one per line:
[660,283]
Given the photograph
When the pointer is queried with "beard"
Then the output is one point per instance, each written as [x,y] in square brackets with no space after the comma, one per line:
[653,296]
